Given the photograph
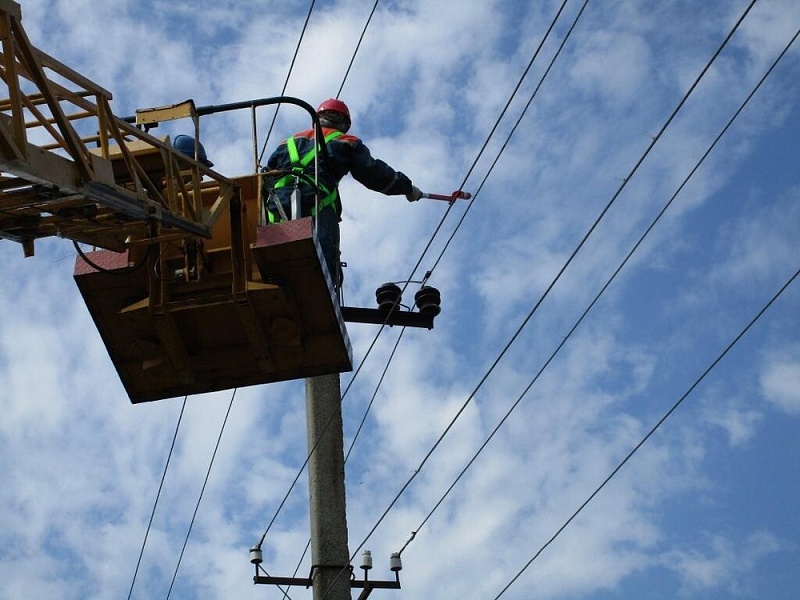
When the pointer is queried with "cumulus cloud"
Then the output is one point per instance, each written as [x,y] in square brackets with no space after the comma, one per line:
[780,383]
[722,564]
[82,465]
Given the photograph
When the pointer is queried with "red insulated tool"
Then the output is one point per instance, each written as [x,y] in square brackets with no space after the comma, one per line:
[457,195]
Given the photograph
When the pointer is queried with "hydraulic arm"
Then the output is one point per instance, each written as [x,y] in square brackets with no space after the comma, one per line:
[70,168]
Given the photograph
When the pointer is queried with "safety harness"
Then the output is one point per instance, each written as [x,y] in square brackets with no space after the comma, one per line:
[299,165]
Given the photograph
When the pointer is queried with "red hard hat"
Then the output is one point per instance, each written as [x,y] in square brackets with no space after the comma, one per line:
[334,105]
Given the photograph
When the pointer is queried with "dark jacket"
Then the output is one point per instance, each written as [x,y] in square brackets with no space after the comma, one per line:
[346,154]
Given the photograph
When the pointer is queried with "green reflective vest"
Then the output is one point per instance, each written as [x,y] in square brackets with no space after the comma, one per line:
[299,165]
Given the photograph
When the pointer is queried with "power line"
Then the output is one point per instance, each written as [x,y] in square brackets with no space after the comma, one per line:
[556,279]
[349,451]
[158,495]
[488,139]
[494,128]
[428,245]
[294,58]
[355,437]
[316,443]
[496,125]
[512,132]
[352,379]
[604,288]
[474,164]
[375,393]
[491,369]
[286,82]
[358,47]
[202,491]
[651,432]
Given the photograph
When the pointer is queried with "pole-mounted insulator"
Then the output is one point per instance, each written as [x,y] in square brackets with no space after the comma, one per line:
[395,562]
[366,560]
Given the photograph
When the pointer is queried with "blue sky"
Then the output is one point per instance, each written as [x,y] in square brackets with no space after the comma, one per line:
[704,509]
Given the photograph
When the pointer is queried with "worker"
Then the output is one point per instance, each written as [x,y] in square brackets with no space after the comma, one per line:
[346,154]
[186,145]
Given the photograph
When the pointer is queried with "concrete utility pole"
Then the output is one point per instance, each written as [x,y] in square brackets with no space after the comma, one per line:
[330,554]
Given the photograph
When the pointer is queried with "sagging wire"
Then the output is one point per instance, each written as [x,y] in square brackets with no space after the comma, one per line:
[286,82]
[358,47]
[202,491]
[419,262]
[158,495]
[602,291]
[560,273]
[651,432]
[512,132]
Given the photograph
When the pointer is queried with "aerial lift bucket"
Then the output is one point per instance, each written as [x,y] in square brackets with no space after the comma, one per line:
[169,335]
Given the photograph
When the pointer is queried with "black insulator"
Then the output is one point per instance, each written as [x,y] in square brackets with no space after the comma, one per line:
[428,300]
[388,295]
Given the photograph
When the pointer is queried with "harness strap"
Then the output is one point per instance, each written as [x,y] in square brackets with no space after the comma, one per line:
[299,165]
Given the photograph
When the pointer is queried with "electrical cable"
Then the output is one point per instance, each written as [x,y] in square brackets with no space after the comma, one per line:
[299,564]
[557,278]
[438,228]
[605,286]
[311,452]
[324,429]
[499,358]
[313,449]
[286,81]
[514,92]
[375,393]
[202,491]
[158,495]
[291,66]
[488,139]
[347,456]
[305,25]
[424,252]
[358,47]
[125,271]
[474,164]
[510,134]
[285,591]
[652,431]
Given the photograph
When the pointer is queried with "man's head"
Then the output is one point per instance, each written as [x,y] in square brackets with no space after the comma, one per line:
[334,113]
[185,144]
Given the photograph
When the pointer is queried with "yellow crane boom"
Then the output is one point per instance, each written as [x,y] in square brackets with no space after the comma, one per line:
[70,168]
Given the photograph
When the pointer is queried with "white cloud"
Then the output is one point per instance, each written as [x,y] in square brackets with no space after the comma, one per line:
[613,65]
[723,564]
[82,465]
[780,382]
[739,424]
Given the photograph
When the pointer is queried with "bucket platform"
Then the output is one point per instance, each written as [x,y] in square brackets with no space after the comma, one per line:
[281,322]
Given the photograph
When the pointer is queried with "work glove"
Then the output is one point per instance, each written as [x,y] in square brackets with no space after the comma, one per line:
[414,195]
